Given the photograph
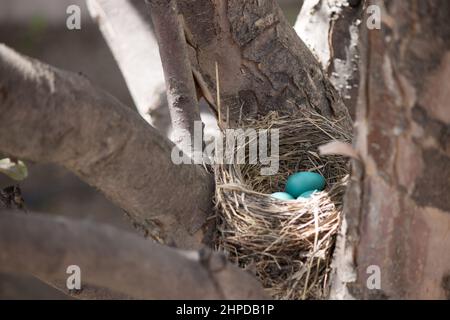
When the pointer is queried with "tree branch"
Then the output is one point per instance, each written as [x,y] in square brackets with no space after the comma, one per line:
[180,86]
[131,40]
[49,115]
[88,292]
[113,259]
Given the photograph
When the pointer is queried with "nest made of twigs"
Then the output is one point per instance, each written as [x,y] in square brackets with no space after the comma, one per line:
[287,244]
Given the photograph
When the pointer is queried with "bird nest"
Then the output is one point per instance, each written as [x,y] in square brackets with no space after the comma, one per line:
[287,244]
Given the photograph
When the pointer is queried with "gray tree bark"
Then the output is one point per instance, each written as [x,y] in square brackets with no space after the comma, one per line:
[129,36]
[123,263]
[180,86]
[62,119]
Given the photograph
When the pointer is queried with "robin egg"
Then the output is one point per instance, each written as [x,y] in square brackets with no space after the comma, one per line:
[301,182]
[282,196]
[307,194]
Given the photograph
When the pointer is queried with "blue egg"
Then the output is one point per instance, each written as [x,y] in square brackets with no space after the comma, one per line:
[300,182]
[282,196]
[307,194]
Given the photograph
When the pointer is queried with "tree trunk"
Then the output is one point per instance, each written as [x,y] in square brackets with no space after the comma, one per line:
[330,29]
[397,215]
[263,65]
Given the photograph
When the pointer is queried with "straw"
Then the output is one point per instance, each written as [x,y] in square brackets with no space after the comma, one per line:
[287,244]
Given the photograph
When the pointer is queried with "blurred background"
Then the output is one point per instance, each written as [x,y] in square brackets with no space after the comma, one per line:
[38,28]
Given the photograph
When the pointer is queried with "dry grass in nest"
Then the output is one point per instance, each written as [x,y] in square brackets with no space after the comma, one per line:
[287,244]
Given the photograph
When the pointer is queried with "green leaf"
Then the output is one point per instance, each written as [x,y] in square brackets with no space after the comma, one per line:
[15,170]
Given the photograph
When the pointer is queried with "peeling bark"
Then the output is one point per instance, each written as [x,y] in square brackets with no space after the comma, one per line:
[330,29]
[48,115]
[397,209]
